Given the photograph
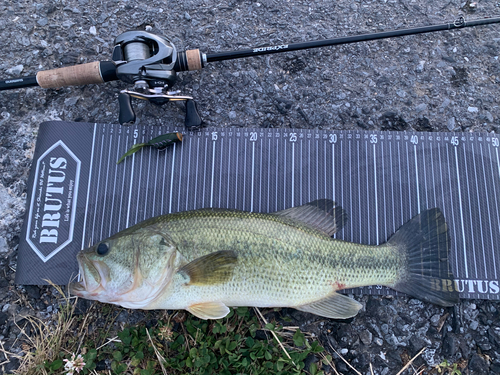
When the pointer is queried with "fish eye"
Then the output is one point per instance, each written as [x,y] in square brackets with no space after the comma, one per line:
[102,249]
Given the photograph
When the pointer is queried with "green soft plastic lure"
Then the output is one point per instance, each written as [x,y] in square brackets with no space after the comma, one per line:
[161,142]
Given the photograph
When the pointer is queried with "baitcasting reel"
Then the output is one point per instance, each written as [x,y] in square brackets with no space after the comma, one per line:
[150,63]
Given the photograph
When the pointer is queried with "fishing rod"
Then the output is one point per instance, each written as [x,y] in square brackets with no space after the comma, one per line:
[150,62]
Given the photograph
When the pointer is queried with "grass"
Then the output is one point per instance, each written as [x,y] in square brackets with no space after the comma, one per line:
[244,342]
[47,341]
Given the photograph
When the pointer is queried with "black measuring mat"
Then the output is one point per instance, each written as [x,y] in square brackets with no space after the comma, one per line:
[78,195]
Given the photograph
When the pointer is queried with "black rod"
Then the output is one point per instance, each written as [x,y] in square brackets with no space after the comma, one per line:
[458,24]
[16,83]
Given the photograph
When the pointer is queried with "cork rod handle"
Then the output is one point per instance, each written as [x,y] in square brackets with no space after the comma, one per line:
[82,74]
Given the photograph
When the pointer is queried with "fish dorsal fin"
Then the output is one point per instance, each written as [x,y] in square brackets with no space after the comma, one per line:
[209,310]
[322,214]
[336,306]
[210,269]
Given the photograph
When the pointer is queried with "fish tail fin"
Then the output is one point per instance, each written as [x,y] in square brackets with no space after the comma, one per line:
[424,244]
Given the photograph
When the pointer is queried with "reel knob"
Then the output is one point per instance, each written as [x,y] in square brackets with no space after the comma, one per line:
[126,115]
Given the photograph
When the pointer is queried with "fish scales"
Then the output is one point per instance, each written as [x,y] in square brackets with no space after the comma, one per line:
[206,260]
[291,263]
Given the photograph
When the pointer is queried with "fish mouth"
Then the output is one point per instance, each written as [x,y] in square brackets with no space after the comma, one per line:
[91,279]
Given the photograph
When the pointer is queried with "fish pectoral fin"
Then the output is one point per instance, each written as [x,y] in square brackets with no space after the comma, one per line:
[209,310]
[214,268]
[336,306]
[323,214]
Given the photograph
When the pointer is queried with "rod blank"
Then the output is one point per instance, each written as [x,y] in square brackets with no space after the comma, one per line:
[458,24]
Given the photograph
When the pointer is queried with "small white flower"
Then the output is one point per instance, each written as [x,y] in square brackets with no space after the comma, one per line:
[74,364]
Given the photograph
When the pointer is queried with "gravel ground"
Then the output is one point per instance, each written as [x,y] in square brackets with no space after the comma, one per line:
[445,81]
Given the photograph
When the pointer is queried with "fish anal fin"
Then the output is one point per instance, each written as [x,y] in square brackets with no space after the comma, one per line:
[214,268]
[323,214]
[209,310]
[335,306]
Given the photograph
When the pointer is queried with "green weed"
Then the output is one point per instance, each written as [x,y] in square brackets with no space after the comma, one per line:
[184,344]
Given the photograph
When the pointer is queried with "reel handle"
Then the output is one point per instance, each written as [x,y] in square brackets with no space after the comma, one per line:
[127,114]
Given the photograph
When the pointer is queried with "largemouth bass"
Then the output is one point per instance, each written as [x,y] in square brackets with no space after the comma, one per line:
[206,260]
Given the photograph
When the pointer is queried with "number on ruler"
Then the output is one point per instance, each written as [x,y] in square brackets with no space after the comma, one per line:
[253,136]
[454,141]
[414,139]
[136,133]
[333,138]
[373,138]
[214,136]
[495,142]
[293,137]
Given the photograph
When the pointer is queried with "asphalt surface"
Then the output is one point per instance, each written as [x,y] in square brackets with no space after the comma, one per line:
[446,81]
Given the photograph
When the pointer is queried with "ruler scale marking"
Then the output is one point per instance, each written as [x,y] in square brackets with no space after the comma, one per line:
[377,240]
[470,208]
[382,162]
[276,179]
[260,172]
[497,204]
[172,174]
[139,184]
[417,180]
[220,169]
[400,187]
[106,186]
[213,176]
[156,183]
[268,174]
[88,186]
[97,189]
[424,166]
[461,212]
[180,179]
[147,184]
[409,182]
[293,175]
[114,185]
[317,169]
[325,172]
[253,176]
[229,171]
[480,220]
[490,220]
[285,145]
[452,210]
